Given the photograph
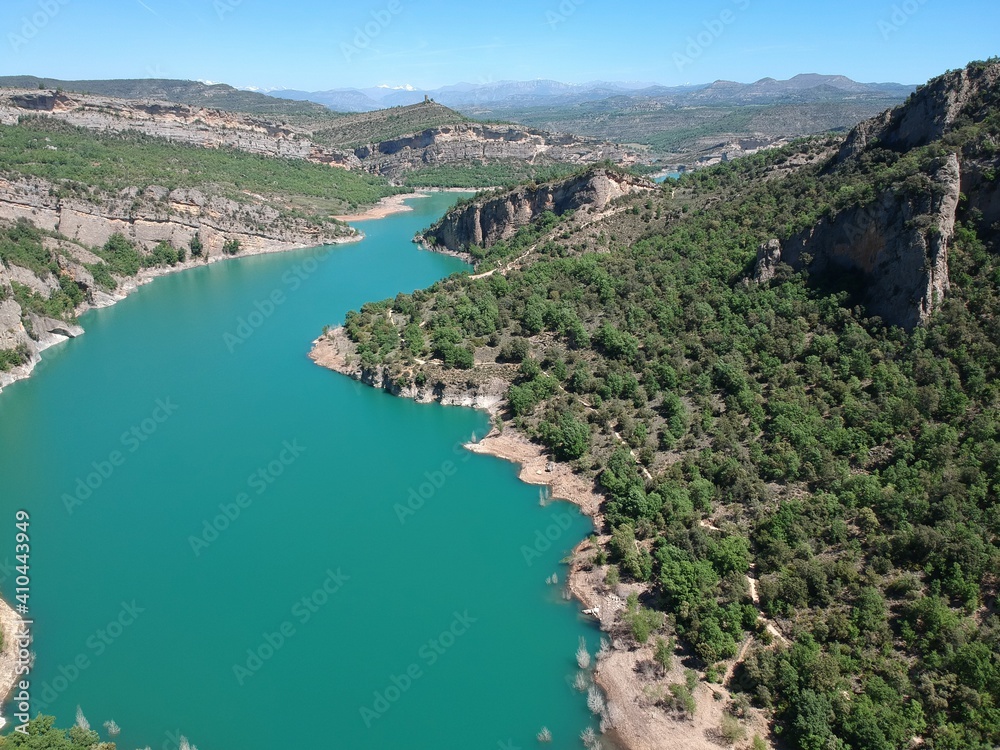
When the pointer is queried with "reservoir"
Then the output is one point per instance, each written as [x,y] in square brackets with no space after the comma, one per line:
[235,545]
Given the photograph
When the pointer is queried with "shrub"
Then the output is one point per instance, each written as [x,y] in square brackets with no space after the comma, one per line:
[121,255]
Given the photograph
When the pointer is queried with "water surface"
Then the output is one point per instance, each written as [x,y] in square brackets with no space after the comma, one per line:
[250,566]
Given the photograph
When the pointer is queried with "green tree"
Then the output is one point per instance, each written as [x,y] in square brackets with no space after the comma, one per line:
[196,245]
[663,653]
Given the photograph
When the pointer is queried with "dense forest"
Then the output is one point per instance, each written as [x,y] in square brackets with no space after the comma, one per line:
[769,430]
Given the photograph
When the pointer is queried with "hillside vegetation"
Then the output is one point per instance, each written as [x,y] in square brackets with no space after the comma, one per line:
[686,129]
[82,161]
[195,93]
[770,435]
[359,129]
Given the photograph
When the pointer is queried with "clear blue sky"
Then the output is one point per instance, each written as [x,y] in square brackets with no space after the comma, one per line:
[321,44]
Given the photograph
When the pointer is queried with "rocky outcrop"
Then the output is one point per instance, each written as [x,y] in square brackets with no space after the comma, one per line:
[199,126]
[13,335]
[898,245]
[768,258]
[928,114]
[486,221]
[477,388]
[157,215]
[470,143]
[147,218]
[461,143]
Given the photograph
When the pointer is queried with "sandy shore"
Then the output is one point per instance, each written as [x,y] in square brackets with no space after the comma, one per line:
[639,723]
[537,468]
[10,624]
[392,204]
[395,204]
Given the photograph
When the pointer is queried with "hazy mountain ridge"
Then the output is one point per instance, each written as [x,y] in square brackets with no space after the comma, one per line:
[540,93]
[686,124]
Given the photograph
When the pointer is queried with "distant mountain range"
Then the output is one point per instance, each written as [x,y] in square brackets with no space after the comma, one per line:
[808,87]
[681,121]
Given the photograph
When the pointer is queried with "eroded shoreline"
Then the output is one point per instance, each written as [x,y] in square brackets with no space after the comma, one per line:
[391,204]
[639,726]
[146,275]
[11,623]
[639,723]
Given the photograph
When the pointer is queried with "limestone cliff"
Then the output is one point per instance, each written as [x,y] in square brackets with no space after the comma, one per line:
[200,126]
[929,113]
[487,220]
[460,143]
[481,388]
[157,215]
[468,143]
[146,218]
[898,243]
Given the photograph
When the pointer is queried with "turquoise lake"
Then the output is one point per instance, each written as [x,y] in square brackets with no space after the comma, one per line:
[238,570]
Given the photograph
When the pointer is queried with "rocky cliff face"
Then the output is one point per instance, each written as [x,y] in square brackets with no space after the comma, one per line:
[485,221]
[929,113]
[467,143]
[156,215]
[147,218]
[898,243]
[478,388]
[212,128]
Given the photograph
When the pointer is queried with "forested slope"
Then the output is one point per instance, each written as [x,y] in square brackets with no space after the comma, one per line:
[710,356]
